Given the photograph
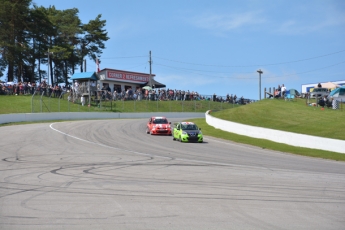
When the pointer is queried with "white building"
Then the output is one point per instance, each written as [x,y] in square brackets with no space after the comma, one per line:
[307,88]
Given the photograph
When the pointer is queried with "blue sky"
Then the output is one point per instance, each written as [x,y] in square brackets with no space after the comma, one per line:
[218,46]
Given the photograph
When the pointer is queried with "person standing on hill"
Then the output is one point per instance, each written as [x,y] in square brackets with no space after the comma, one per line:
[182,95]
[283,90]
[279,90]
[276,94]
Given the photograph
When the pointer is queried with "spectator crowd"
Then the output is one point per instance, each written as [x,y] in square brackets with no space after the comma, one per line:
[27,88]
[279,92]
[166,95]
[105,93]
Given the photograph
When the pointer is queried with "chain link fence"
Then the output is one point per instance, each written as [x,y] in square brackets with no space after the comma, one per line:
[45,102]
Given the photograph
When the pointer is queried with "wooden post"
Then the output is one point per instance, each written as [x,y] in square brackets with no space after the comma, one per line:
[265,92]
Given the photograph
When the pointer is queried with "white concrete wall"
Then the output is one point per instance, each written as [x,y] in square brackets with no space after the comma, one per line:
[28,117]
[294,139]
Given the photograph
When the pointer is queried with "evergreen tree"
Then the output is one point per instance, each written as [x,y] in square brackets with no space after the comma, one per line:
[14,17]
[33,36]
[92,41]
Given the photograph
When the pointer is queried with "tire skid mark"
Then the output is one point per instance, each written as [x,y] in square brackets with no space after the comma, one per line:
[122,192]
[142,153]
[115,177]
[194,182]
[271,198]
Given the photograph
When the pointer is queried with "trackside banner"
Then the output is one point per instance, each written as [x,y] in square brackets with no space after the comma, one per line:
[128,76]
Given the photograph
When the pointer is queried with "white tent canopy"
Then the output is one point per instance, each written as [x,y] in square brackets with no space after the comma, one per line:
[330,85]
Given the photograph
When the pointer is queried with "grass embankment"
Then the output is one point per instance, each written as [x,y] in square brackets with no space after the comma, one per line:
[38,104]
[293,116]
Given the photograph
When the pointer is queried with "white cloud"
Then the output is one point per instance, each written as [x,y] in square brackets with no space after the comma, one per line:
[314,20]
[227,22]
[300,27]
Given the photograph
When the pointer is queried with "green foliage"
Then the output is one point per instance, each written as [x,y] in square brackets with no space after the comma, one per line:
[14,26]
[28,35]
[92,43]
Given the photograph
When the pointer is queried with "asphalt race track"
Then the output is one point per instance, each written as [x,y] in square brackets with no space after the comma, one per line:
[110,174]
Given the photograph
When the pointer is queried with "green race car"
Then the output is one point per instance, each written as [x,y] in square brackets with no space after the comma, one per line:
[187,132]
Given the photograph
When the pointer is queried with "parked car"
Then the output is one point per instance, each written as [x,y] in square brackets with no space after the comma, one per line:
[158,125]
[319,92]
[187,132]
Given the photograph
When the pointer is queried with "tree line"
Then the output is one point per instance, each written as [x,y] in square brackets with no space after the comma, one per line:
[31,36]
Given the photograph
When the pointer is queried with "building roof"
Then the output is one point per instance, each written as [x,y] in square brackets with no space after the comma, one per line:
[93,76]
[156,84]
[85,76]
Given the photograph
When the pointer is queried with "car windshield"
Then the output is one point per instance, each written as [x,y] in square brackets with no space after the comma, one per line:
[160,121]
[320,90]
[189,127]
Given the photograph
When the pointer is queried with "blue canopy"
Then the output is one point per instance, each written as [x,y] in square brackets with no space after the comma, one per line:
[338,91]
[85,76]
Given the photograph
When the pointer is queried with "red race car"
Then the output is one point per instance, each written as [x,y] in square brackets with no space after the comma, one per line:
[158,125]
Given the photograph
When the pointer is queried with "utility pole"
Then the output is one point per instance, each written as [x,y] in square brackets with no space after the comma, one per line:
[260,72]
[150,79]
[84,65]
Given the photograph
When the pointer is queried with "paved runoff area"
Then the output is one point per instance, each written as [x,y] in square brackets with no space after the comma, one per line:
[110,174]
